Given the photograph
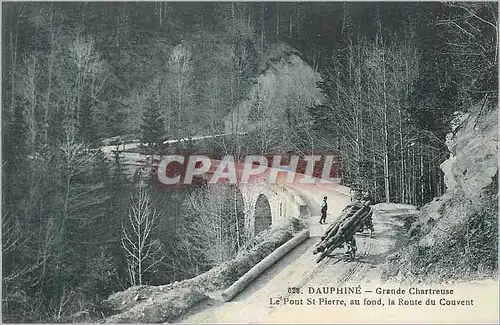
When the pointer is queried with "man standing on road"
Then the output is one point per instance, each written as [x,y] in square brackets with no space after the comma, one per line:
[324,208]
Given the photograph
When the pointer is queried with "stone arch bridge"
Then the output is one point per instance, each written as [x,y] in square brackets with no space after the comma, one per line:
[265,204]
[269,205]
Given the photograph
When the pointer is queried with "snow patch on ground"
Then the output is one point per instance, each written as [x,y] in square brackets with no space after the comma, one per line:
[393,207]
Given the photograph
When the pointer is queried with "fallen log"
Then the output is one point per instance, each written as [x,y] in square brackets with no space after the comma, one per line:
[263,265]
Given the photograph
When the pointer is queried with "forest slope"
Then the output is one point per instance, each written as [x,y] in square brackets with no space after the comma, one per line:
[283,91]
[456,235]
[77,73]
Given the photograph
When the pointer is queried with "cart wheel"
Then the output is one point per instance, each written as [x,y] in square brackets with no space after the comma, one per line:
[349,257]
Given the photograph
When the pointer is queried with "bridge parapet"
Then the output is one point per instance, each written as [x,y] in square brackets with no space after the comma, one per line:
[283,202]
[301,205]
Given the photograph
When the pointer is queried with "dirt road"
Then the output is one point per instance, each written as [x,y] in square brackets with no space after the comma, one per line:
[298,268]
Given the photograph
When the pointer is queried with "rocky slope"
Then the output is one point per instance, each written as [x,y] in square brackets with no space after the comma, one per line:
[286,87]
[455,237]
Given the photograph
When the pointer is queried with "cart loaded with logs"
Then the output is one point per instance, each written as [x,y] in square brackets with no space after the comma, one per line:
[354,218]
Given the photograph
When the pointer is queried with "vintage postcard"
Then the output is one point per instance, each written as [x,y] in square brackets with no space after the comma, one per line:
[250,162]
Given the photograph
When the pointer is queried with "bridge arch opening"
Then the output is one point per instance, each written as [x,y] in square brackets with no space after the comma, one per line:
[263,218]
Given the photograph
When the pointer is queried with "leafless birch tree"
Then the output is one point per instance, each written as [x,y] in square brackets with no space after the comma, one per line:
[143,251]
[181,67]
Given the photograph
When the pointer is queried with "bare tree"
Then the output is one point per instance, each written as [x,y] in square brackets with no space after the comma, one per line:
[76,160]
[180,65]
[50,72]
[15,274]
[134,109]
[12,239]
[143,251]
[29,94]
[470,35]
[89,73]
[213,234]
[261,117]
[81,54]
[404,59]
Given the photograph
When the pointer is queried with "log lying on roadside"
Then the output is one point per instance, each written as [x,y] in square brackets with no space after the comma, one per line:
[263,265]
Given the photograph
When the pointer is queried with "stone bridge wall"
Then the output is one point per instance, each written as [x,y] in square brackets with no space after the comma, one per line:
[283,202]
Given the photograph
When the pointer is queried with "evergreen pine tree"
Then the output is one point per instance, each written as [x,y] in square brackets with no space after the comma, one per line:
[152,128]
[119,189]
[14,157]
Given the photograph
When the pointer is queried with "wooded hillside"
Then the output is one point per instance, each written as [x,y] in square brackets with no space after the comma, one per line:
[390,76]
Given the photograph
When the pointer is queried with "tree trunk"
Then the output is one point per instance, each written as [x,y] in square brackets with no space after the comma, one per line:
[277,20]
[235,202]
[386,134]
[374,161]
[49,79]
[78,92]
[408,175]
[31,117]
[249,17]
[421,174]
[179,99]
[117,33]
[430,178]
[161,12]
[262,27]
[13,47]
[401,154]
[414,177]
[233,13]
